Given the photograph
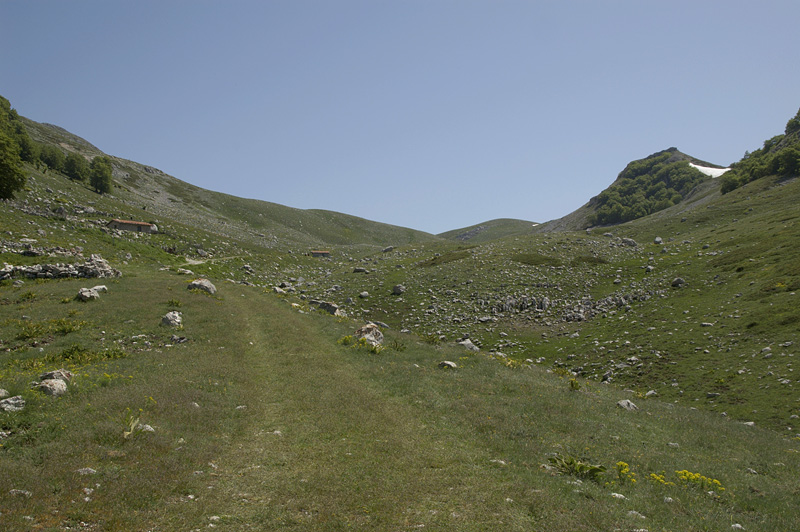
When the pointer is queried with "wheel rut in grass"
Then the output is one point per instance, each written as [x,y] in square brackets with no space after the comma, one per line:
[324,444]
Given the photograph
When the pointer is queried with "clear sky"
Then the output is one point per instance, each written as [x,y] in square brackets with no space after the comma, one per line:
[430,114]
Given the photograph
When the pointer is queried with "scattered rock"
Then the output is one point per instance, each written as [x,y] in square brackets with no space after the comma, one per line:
[469,345]
[398,289]
[86,471]
[60,374]
[678,282]
[203,284]
[658,241]
[371,333]
[627,404]
[330,308]
[172,319]
[54,387]
[364,295]
[20,493]
[3,393]
[446,364]
[88,294]
[12,404]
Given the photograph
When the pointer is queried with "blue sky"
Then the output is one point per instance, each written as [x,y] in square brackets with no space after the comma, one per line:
[430,114]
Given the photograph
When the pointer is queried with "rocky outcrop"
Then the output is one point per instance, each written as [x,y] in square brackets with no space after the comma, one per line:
[96,266]
[12,404]
[172,319]
[203,284]
[371,333]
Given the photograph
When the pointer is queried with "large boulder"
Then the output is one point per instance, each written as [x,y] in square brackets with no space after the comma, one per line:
[203,284]
[331,308]
[12,404]
[469,345]
[172,319]
[627,404]
[88,294]
[54,387]
[59,374]
[371,333]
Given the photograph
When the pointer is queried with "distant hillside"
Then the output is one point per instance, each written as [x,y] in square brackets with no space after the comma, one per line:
[646,186]
[150,190]
[490,230]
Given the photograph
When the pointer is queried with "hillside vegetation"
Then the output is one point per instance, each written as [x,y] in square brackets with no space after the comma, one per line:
[780,156]
[634,377]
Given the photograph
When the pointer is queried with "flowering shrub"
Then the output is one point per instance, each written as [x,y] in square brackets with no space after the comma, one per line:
[660,478]
[687,478]
[624,473]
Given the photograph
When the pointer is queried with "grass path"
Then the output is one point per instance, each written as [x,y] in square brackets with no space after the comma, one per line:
[324,448]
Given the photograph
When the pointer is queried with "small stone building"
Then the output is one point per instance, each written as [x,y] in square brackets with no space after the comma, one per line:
[128,225]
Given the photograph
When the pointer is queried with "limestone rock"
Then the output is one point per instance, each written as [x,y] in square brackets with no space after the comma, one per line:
[398,289]
[12,404]
[469,345]
[59,374]
[203,284]
[627,404]
[371,333]
[446,364]
[3,393]
[54,387]
[88,294]
[678,282]
[172,319]
[330,308]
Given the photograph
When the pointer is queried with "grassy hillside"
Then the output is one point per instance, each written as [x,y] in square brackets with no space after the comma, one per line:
[491,230]
[281,426]
[144,188]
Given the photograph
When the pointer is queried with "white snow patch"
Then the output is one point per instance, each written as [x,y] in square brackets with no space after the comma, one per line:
[713,172]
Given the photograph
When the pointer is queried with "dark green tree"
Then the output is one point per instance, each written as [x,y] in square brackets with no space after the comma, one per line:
[53,157]
[76,167]
[100,176]
[12,178]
